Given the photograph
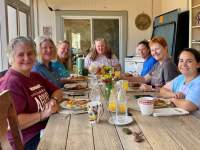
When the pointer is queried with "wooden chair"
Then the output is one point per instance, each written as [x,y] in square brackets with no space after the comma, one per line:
[8,116]
[2,73]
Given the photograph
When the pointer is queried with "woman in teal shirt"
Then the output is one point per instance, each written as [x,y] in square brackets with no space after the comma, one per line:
[63,63]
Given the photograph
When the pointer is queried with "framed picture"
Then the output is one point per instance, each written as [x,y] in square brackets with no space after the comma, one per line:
[198,18]
[47,31]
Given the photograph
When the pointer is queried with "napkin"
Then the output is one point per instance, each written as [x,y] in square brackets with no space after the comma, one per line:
[169,112]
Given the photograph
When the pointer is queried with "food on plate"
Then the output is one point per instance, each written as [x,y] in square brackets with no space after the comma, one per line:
[78,78]
[158,103]
[76,87]
[134,85]
[76,103]
[128,75]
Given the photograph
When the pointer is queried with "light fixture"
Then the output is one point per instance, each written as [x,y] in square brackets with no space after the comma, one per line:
[49,7]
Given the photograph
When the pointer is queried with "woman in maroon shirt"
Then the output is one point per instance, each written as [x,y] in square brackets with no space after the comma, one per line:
[34,97]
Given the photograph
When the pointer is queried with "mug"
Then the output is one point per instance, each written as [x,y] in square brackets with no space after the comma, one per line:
[95,111]
[146,105]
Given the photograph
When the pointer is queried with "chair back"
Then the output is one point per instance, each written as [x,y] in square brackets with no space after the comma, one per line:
[9,121]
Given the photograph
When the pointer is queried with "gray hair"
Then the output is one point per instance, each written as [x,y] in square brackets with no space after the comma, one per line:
[16,41]
[39,40]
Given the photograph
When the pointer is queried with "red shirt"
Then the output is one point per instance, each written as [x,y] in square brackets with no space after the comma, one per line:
[30,94]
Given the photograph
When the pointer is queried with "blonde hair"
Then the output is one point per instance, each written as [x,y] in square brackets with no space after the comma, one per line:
[39,40]
[14,42]
[93,51]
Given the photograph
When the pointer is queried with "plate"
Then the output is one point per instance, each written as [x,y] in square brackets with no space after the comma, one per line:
[80,90]
[75,104]
[78,78]
[120,122]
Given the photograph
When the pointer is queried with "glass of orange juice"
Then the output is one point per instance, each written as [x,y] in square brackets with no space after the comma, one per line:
[112,106]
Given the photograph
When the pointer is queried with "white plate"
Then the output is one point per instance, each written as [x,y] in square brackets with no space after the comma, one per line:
[65,106]
[114,121]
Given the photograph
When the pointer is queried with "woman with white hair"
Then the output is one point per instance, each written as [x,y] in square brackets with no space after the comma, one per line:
[46,51]
[34,97]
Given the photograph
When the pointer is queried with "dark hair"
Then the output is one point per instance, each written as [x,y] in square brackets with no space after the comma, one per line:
[194,52]
[146,44]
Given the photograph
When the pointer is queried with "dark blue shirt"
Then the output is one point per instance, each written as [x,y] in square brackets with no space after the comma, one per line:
[148,65]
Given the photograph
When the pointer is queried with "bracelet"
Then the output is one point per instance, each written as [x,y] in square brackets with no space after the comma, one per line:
[55,98]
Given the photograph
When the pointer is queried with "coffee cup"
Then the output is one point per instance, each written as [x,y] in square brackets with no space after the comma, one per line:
[146,105]
[95,111]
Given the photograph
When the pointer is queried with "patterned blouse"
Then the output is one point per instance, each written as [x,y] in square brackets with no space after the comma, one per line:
[101,61]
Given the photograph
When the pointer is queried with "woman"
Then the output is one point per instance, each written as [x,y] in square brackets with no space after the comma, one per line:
[33,96]
[184,90]
[145,52]
[101,55]
[63,63]
[163,71]
[46,51]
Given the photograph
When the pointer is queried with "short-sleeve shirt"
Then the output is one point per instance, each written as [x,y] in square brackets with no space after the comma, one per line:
[48,73]
[191,90]
[30,94]
[148,65]
[162,73]
[101,61]
[60,69]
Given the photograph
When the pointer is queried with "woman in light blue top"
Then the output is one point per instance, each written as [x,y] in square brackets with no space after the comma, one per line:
[184,90]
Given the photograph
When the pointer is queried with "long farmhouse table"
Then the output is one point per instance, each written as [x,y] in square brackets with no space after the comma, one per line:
[74,132]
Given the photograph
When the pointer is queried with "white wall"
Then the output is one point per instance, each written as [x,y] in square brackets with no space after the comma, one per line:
[168,5]
[134,7]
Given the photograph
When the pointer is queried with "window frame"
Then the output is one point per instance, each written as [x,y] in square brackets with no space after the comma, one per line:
[4,31]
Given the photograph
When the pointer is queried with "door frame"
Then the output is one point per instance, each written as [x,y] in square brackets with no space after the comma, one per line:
[84,14]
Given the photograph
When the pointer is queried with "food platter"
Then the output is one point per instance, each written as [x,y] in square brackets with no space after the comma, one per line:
[77,78]
[76,87]
[74,104]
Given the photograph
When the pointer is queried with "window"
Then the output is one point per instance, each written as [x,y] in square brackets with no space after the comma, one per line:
[23,28]
[15,20]
[12,22]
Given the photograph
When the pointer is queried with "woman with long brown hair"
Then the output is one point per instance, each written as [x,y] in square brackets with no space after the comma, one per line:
[101,55]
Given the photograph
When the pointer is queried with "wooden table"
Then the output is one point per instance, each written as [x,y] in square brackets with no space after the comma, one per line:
[73,132]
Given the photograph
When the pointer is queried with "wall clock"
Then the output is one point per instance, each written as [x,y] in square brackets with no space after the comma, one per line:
[143,21]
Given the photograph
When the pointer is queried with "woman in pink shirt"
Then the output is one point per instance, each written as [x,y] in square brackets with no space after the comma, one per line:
[101,55]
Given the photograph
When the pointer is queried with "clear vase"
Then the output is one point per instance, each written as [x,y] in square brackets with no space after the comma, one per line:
[108,88]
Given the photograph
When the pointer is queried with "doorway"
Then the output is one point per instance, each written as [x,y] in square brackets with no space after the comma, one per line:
[82,32]
[89,25]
